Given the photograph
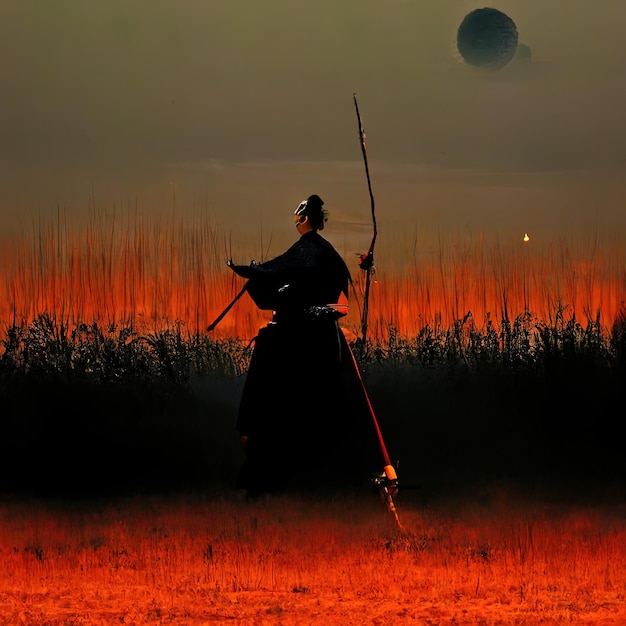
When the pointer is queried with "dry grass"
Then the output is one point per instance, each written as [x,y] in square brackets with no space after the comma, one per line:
[488,559]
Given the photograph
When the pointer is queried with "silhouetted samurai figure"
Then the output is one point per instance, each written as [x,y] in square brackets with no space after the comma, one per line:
[303,416]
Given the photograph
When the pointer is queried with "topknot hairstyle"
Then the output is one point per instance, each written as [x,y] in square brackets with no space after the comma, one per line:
[312,207]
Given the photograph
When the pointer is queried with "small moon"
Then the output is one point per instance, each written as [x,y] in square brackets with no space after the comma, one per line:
[487,38]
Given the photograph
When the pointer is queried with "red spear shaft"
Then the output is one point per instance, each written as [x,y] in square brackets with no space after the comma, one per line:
[388,480]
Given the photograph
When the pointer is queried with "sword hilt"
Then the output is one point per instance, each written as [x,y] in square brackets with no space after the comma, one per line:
[388,480]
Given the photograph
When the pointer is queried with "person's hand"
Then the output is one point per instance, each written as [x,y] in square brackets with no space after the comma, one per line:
[244,441]
[245,271]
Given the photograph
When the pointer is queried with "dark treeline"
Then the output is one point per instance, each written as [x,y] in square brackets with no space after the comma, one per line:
[89,410]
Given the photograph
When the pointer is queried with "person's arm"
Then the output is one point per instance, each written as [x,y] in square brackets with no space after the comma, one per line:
[254,270]
[245,271]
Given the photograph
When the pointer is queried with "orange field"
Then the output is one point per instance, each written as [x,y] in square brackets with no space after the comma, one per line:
[485,556]
[482,558]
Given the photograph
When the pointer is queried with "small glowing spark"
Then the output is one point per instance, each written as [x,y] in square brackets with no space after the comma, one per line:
[526,237]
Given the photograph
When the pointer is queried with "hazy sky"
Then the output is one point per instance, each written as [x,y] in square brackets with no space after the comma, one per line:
[246,107]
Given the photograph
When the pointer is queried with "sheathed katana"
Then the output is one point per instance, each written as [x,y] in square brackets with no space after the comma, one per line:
[223,314]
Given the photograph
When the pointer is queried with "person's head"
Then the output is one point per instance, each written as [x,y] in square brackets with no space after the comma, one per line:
[310,214]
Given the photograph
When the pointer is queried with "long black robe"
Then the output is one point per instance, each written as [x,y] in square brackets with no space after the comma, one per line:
[303,406]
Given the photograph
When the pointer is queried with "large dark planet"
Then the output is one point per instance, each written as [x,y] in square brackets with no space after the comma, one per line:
[487,38]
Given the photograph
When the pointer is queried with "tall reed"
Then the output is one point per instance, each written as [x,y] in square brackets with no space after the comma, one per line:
[153,273]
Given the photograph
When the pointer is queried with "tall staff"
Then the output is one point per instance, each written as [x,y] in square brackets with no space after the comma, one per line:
[388,480]
[366,261]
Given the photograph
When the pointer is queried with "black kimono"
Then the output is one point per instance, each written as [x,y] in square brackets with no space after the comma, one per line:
[303,406]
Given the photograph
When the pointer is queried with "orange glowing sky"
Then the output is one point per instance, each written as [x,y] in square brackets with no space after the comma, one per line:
[242,108]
